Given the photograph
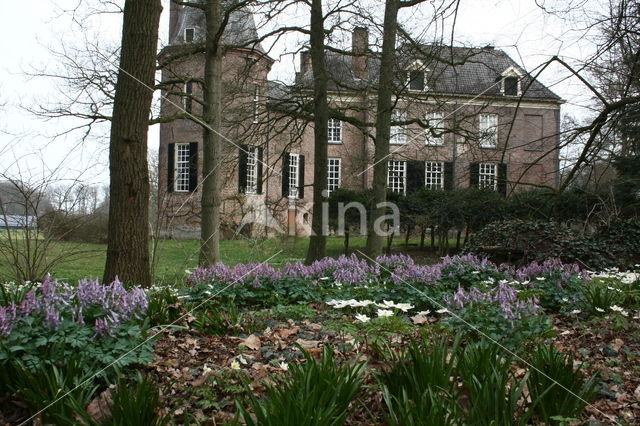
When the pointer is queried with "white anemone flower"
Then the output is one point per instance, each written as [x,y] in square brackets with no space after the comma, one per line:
[362,318]
[442,311]
[284,366]
[385,313]
[235,365]
[599,309]
[404,307]
[576,311]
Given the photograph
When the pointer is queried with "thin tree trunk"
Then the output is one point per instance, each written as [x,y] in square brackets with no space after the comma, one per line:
[422,235]
[346,242]
[211,157]
[406,237]
[389,239]
[383,125]
[318,241]
[466,235]
[433,237]
[458,235]
[128,229]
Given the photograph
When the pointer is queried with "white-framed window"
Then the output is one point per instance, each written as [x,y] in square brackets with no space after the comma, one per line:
[435,120]
[181,167]
[488,126]
[256,103]
[294,175]
[415,80]
[488,176]
[434,174]
[187,101]
[252,170]
[398,133]
[189,34]
[511,82]
[397,176]
[334,130]
[333,176]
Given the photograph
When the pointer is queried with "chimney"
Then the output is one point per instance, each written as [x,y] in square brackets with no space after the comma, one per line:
[360,48]
[174,11]
[305,62]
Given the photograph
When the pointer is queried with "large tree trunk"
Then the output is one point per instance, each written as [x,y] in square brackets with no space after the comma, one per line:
[318,240]
[128,231]
[375,241]
[211,158]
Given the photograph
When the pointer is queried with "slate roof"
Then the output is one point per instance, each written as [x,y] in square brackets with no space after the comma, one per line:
[449,70]
[240,30]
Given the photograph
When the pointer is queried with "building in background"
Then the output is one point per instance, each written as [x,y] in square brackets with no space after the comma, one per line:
[463,117]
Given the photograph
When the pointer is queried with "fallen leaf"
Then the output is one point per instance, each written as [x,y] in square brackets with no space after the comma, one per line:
[252,342]
[617,344]
[419,319]
[308,344]
[100,408]
[287,332]
[636,393]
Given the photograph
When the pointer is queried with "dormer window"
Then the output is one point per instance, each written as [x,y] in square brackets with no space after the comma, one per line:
[416,81]
[415,77]
[510,84]
[189,34]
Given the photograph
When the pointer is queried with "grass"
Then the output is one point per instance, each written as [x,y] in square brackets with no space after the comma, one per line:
[81,260]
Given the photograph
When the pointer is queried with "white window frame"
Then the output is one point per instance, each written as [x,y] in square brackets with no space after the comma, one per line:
[397,176]
[252,171]
[181,167]
[488,176]
[334,174]
[398,133]
[488,130]
[294,175]
[334,131]
[185,34]
[435,120]
[417,66]
[511,72]
[256,103]
[434,174]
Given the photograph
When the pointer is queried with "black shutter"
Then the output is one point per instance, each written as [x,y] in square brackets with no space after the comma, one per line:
[285,174]
[448,175]
[193,166]
[171,160]
[301,176]
[242,168]
[474,174]
[502,179]
[259,174]
[415,176]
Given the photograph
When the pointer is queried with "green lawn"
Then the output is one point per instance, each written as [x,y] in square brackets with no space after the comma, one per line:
[176,256]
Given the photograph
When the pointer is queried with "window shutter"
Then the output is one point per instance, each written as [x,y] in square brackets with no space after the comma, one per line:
[193,166]
[415,176]
[448,175]
[301,176]
[171,166]
[285,174]
[474,174]
[259,174]
[502,179]
[242,168]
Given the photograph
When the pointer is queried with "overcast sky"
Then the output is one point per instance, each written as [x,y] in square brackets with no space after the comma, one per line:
[31,28]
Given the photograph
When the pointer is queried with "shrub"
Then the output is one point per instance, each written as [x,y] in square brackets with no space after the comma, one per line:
[313,393]
[557,386]
[502,313]
[90,228]
[55,320]
[135,403]
[417,388]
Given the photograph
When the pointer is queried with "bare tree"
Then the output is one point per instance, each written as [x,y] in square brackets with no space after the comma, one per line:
[128,233]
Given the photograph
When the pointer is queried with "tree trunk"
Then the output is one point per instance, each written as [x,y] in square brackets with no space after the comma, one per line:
[346,242]
[406,237]
[466,235]
[458,235]
[383,125]
[318,241]
[422,235]
[433,237]
[128,229]
[211,157]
